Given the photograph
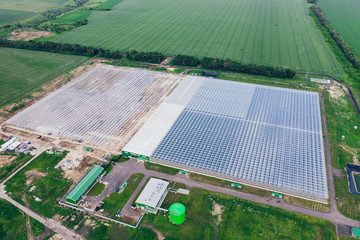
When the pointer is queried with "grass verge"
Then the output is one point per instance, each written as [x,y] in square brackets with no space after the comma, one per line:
[160,168]
[96,190]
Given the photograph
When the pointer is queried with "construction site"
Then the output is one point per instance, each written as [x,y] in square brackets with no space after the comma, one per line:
[104,107]
[267,137]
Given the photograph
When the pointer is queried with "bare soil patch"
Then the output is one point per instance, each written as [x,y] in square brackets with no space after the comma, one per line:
[30,175]
[217,211]
[57,237]
[28,35]
[336,92]
[6,159]
[75,169]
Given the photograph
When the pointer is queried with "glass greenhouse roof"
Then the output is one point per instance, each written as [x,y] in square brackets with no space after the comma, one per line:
[271,137]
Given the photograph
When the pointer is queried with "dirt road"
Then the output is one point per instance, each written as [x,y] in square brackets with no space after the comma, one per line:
[50,223]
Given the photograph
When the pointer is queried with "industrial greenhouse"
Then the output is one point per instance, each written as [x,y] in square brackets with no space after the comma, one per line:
[262,136]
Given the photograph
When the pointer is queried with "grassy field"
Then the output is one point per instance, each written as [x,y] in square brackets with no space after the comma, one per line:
[8,15]
[240,219]
[344,16]
[49,188]
[30,5]
[20,159]
[12,222]
[37,228]
[118,200]
[97,189]
[23,70]
[341,119]
[254,31]
[114,231]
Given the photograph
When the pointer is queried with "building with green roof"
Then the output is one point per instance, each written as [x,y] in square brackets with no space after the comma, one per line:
[356,232]
[84,185]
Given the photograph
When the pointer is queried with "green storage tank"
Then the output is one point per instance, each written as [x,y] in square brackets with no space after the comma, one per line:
[177,213]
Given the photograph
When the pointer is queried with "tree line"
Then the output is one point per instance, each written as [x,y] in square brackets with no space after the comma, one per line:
[234,66]
[183,60]
[153,57]
[344,47]
[76,49]
[63,48]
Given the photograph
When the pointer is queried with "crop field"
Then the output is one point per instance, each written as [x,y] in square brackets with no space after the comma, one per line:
[23,70]
[72,17]
[344,16]
[274,32]
[8,15]
[30,5]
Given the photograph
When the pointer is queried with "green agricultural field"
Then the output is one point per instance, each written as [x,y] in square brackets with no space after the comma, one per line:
[23,70]
[109,4]
[344,16]
[273,32]
[72,17]
[8,15]
[30,5]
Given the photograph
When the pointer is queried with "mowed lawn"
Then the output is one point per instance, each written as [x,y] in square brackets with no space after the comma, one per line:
[272,32]
[23,70]
[344,16]
[7,15]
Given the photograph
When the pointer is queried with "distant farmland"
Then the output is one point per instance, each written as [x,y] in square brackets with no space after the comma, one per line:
[7,15]
[344,16]
[23,70]
[30,5]
[273,32]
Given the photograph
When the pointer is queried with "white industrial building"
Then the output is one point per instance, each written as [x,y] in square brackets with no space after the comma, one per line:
[152,195]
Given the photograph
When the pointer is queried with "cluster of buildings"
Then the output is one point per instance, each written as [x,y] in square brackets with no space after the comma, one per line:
[15,145]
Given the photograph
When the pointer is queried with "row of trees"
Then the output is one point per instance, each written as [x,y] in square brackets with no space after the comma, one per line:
[229,65]
[345,48]
[75,49]
[183,60]
[153,57]
[233,66]
[64,48]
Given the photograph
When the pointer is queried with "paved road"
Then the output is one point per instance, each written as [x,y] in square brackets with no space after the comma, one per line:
[50,223]
[333,216]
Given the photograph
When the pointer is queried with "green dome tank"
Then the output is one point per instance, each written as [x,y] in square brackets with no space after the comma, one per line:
[177,213]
